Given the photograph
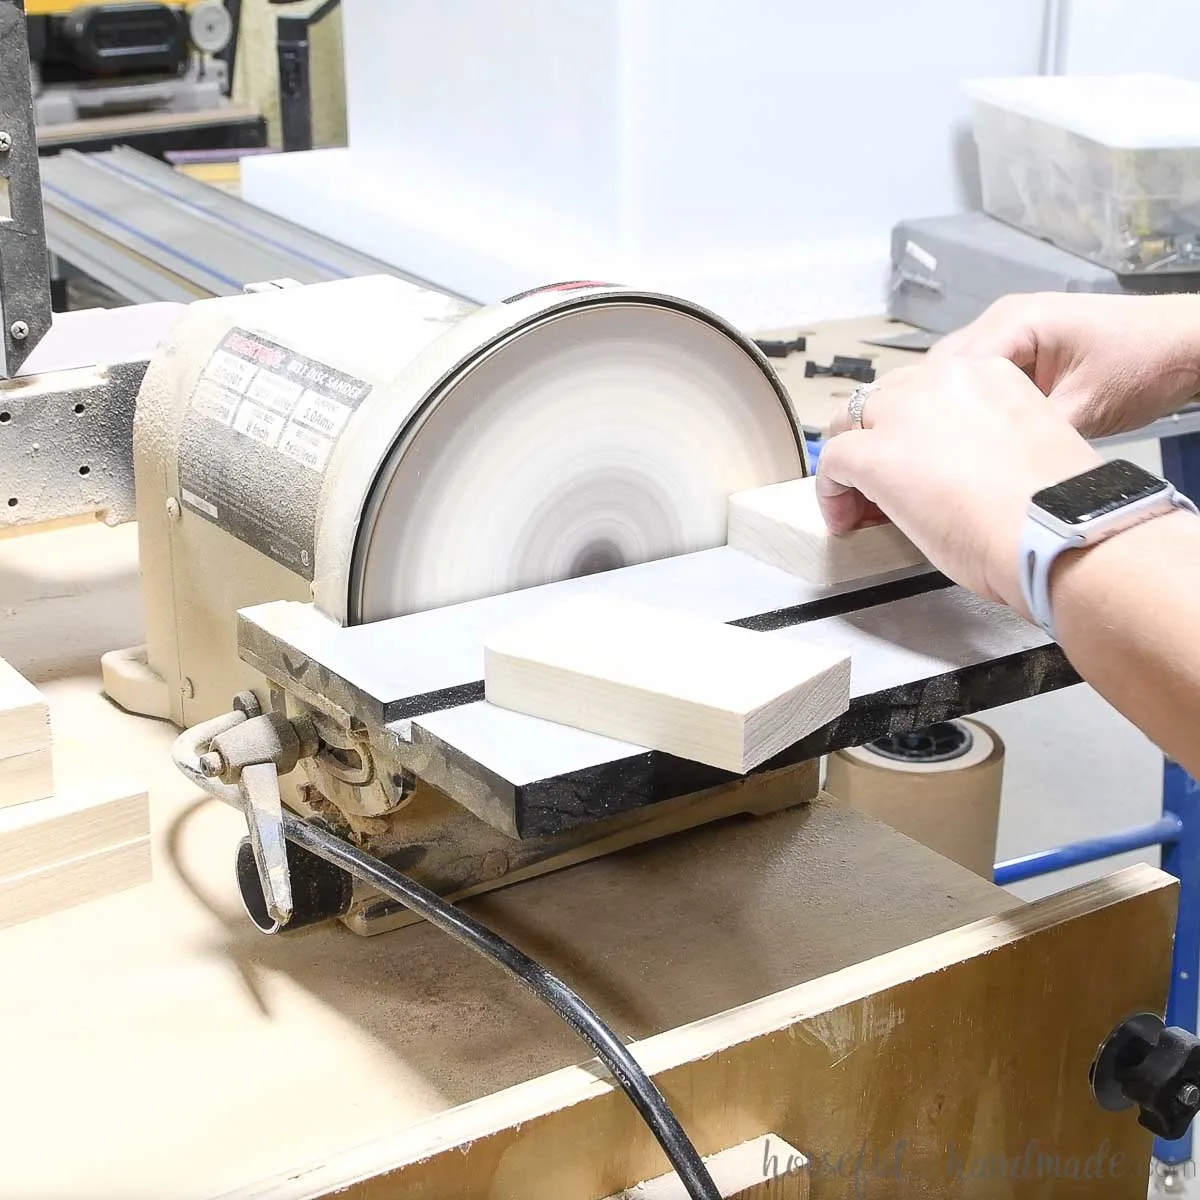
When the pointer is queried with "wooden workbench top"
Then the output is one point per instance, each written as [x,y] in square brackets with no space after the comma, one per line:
[154,1044]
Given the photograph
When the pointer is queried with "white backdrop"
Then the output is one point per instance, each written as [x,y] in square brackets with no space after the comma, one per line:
[751,155]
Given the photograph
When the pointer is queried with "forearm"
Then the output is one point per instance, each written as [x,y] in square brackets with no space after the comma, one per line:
[1127,613]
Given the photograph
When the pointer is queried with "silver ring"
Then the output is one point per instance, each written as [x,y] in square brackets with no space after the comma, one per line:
[858,401]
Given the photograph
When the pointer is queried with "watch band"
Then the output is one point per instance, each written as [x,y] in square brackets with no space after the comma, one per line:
[1040,548]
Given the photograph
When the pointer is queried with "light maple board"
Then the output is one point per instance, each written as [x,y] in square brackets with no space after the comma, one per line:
[61,885]
[686,685]
[80,822]
[26,772]
[782,525]
[88,841]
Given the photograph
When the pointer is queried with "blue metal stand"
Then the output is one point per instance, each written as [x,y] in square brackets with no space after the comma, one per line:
[1181,463]
[1181,796]
[1167,830]
[1181,857]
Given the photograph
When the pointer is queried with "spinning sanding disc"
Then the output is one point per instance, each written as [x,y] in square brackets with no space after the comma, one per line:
[603,436]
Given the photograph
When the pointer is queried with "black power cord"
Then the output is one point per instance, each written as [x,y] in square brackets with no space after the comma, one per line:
[625,1069]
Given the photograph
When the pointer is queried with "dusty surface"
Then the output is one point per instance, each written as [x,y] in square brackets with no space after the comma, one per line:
[157,1026]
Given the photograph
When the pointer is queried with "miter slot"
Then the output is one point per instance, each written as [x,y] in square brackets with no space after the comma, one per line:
[408,666]
[914,662]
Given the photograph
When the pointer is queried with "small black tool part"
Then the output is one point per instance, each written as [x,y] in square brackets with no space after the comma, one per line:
[843,367]
[781,347]
[848,362]
[1157,1068]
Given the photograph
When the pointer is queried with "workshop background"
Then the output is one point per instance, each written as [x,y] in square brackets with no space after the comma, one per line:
[487,147]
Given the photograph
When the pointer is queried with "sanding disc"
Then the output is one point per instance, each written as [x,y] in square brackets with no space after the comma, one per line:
[604,436]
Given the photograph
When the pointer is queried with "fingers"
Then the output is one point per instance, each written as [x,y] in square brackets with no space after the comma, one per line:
[888,385]
[1006,330]
[949,345]
[842,504]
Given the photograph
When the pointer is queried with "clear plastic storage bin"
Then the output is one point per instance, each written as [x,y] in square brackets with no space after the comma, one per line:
[1106,166]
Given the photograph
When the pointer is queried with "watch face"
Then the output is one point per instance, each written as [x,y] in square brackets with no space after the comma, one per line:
[1097,492]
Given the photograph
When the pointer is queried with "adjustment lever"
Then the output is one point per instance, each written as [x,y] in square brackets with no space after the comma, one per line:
[253,755]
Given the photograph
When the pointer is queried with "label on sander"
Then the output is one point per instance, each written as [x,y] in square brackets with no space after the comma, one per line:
[256,439]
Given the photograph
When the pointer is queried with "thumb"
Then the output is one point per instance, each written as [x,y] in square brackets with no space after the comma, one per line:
[841,469]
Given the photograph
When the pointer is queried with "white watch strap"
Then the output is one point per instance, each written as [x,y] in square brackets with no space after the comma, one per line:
[1041,546]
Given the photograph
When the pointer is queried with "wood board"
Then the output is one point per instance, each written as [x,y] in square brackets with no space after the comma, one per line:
[132,124]
[26,770]
[671,681]
[88,840]
[782,525]
[955,1068]
[65,826]
[64,884]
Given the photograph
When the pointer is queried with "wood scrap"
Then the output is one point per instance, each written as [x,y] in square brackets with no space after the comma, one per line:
[50,831]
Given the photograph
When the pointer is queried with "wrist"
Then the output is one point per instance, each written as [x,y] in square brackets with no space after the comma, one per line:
[1080,576]
[1005,577]
[1088,509]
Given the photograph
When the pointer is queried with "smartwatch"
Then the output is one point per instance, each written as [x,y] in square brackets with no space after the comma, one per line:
[1081,511]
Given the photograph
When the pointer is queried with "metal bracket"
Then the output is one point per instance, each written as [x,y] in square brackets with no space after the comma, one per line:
[66,439]
[24,262]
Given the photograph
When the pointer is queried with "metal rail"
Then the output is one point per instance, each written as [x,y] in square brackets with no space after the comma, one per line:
[151,233]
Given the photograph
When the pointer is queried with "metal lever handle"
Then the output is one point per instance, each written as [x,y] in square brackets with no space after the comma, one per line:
[259,785]
[240,757]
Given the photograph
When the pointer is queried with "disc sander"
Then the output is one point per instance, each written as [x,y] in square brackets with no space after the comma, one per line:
[599,437]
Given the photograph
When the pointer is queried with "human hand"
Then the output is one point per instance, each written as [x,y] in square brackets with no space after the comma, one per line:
[1110,363]
[951,452]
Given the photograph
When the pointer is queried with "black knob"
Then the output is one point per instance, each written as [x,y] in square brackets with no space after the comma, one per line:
[1158,1069]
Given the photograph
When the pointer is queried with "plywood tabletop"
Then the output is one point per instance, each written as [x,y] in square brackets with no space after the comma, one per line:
[188,1055]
